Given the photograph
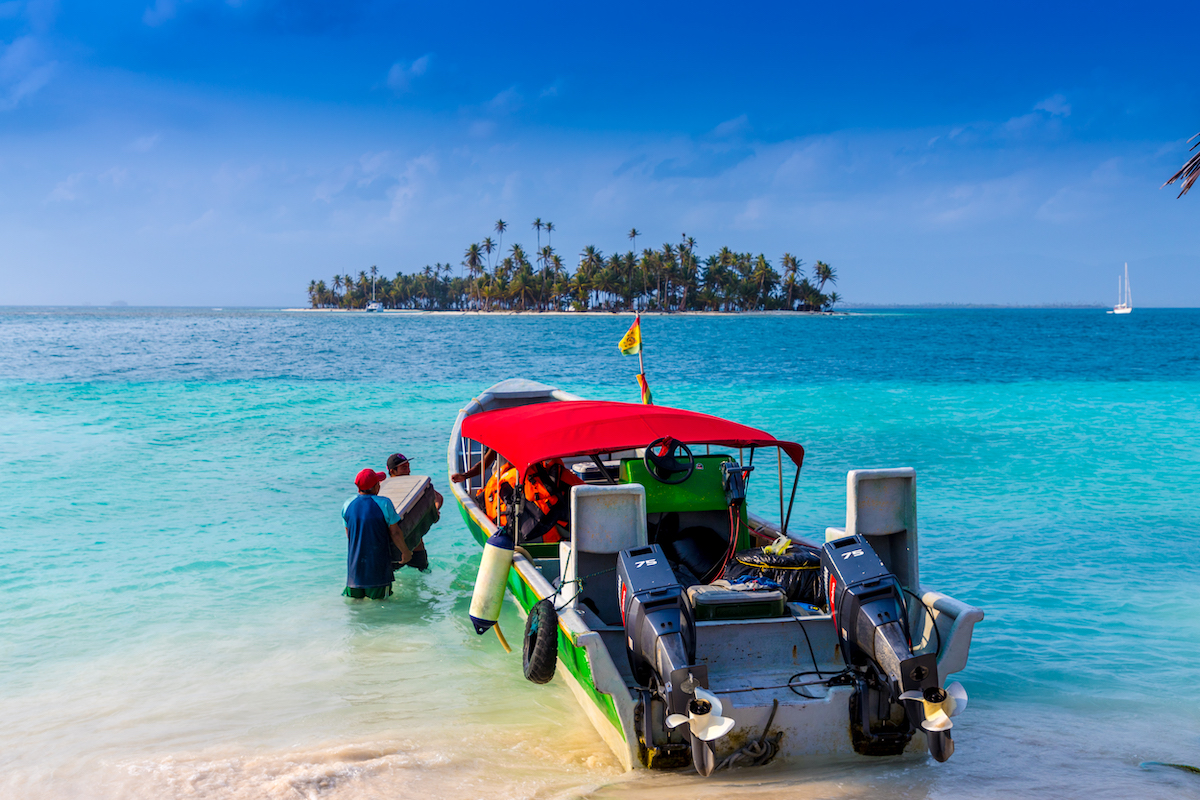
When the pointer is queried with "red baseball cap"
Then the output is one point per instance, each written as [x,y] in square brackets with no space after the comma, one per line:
[368,479]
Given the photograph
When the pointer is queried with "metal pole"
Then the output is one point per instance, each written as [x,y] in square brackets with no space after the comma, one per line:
[641,346]
[779,457]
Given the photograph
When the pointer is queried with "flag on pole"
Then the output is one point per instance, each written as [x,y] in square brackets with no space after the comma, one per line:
[631,342]
[647,398]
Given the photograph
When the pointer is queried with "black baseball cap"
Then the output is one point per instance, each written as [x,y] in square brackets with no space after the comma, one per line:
[395,460]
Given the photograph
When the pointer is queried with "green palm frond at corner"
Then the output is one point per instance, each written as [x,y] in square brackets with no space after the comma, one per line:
[1189,172]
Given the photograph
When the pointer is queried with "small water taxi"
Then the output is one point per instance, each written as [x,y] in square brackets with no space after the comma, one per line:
[695,631]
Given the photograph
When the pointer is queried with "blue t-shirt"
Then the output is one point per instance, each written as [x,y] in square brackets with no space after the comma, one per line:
[369,561]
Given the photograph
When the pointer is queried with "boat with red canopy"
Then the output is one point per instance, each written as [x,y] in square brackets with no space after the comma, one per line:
[692,628]
[532,433]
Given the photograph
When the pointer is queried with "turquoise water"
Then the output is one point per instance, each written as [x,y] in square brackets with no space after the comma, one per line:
[171,555]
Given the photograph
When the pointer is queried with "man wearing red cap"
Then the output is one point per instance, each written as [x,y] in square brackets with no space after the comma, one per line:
[371,525]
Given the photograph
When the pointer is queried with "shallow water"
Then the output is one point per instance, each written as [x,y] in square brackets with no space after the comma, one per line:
[171,556]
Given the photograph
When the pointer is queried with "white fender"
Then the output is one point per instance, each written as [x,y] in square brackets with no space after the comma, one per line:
[491,581]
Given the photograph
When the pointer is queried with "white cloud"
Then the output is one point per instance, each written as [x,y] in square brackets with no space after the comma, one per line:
[160,12]
[413,185]
[373,164]
[402,74]
[67,190]
[24,69]
[482,128]
[1088,197]
[732,127]
[505,102]
[114,175]
[144,144]
[202,222]
[1055,106]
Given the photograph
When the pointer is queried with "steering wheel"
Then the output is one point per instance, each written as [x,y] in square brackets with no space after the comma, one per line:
[663,464]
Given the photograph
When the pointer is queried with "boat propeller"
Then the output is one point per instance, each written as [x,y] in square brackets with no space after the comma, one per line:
[938,706]
[703,717]
[706,724]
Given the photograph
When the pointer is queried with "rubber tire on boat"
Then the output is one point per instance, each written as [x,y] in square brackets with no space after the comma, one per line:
[539,656]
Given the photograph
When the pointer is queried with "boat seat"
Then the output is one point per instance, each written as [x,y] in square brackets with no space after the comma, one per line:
[881,504]
[604,521]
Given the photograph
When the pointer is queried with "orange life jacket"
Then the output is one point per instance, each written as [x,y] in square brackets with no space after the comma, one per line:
[491,493]
[538,496]
[548,500]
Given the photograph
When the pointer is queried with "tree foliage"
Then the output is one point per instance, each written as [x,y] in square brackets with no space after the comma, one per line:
[670,278]
[1188,172]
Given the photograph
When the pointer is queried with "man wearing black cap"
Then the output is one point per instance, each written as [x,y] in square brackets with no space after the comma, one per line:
[372,527]
[420,504]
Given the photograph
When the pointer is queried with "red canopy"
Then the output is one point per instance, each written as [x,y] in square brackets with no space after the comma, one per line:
[528,434]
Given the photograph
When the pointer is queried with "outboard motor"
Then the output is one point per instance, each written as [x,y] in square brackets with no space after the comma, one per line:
[897,691]
[660,634]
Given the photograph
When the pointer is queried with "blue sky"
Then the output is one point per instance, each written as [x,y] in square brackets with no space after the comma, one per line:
[201,152]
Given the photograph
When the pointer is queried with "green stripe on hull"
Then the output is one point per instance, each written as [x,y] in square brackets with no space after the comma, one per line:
[572,656]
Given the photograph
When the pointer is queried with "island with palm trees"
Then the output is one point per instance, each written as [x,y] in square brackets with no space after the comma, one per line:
[671,278]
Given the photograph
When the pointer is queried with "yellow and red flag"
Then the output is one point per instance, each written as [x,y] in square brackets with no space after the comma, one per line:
[647,399]
[631,342]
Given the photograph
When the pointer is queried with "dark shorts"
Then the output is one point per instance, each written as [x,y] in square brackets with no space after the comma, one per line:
[419,561]
[369,592]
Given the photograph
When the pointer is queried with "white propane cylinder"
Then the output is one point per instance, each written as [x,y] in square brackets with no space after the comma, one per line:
[491,581]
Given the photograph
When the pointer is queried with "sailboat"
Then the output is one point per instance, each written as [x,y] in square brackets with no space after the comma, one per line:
[374,305]
[1124,298]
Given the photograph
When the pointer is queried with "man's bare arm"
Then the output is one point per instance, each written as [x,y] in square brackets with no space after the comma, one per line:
[398,538]
[489,455]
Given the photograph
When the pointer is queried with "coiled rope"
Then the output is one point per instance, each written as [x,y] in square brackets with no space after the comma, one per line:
[758,752]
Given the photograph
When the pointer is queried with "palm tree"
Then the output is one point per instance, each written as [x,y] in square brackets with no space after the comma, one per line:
[790,267]
[687,266]
[581,288]
[767,278]
[474,261]
[337,287]
[666,262]
[488,247]
[374,272]
[501,227]
[824,274]
[632,236]
[537,224]
[1188,172]
[549,230]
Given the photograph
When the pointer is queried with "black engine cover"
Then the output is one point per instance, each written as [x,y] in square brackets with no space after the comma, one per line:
[867,605]
[660,633]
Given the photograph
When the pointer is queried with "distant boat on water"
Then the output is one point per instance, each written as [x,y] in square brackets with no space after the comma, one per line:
[374,305]
[1124,298]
